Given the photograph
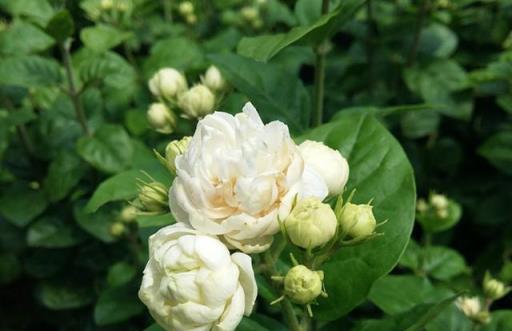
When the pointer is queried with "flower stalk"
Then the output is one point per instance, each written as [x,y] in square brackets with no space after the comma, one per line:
[320,52]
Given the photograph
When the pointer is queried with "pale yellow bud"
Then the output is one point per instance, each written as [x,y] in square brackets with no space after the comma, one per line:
[128,214]
[161,118]
[303,285]
[117,229]
[213,80]
[106,4]
[311,223]
[472,308]
[421,206]
[168,83]
[191,19]
[197,102]
[174,149]
[153,197]
[250,13]
[493,288]
[186,8]
[439,201]
[357,221]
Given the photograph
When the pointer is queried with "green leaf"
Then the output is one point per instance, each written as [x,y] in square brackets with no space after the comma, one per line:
[414,320]
[38,11]
[380,171]
[53,232]
[10,268]
[176,52]
[29,71]
[451,319]
[117,304]
[398,294]
[421,123]
[437,40]
[20,204]
[97,224]
[248,324]
[263,48]
[64,173]
[276,94]
[109,149]
[154,327]
[432,223]
[310,11]
[120,273]
[498,151]
[61,26]
[501,320]
[101,37]
[23,38]
[59,295]
[145,221]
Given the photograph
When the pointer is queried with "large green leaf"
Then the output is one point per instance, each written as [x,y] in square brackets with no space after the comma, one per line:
[97,224]
[398,294]
[263,48]
[20,204]
[379,170]
[29,71]
[501,321]
[53,232]
[59,295]
[109,149]
[117,304]
[64,173]
[23,38]
[38,11]
[276,93]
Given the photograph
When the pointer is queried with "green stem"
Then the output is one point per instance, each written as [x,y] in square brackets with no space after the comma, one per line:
[288,312]
[320,52]
[369,44]
[417,33]
[72,91]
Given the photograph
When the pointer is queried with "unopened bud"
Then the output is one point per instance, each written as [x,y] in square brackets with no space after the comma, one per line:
[106,4]
[167,83]
[197,102]
[421,206]
[493,288]
[213,80]
[250,13]
[128,214]
[439,201]
[174,149]
[311,223]
[472,308]
[191,19]
[303,285]
[117,229]
[161,118]
[186,8]
[153,197]
[357,221]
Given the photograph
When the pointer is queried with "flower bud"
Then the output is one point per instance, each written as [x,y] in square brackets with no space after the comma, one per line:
[161,118]
[191,19]
[213,80]
[153,197]
[117,229]
[311,223]
[106,4]
[421,206]
[329,163]
[439,201]
[493,288]
[197,101]
[174,149]
[128,214]
[167,83]
[357,221]
[302,285]
[250,13]
[186,8]
[472,308]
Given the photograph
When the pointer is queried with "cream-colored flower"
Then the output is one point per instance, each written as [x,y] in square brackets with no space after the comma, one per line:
[213,79]
[329,163]
[191,282]
[238,176]
[161,118]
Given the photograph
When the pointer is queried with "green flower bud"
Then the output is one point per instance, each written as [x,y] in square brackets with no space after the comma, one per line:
[493,288]
[174,149]
[439,214]
[186,8]
[128,214]
[311,223]
[250,13]
[117,229]
[106,4]
[302,285]
[357,221]
[439,201]
[421,206]
[213,80]
[161,118]
[197,102]
[153,197]
[191,19]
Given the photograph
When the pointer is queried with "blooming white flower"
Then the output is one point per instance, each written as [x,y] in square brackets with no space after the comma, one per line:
[191,282]
[327,162]
[197,102]
[238,176]
[167,83]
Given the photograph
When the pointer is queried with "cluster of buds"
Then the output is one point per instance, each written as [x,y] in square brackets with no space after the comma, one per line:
[187,11]
[493,288]
[112,11]
[438,213]
[171,89]
[248,15]
[473,308]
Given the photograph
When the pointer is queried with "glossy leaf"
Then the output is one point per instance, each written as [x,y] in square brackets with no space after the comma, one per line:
[20,204]
[52,232]
[102,37]
[498,151]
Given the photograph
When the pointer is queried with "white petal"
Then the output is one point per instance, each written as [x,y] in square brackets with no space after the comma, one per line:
[218,285]
[213,253]
[191,314]
[247,279]
[233,314]
[313,185]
